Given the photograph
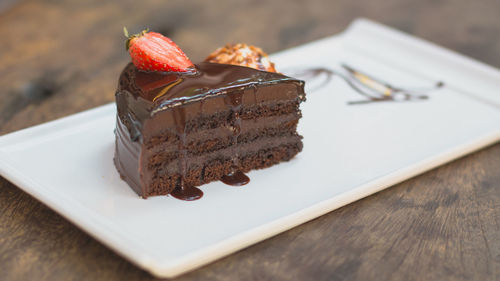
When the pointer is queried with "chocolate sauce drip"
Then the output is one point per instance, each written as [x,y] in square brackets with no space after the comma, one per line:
[373,89]
[135,128]
[233,100]
[183,191]
[238,178]
[254,91]
[187,193]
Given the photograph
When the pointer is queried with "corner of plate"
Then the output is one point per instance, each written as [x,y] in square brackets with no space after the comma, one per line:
[362,25]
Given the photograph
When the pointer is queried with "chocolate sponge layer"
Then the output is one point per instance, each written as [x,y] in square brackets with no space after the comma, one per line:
[216,168]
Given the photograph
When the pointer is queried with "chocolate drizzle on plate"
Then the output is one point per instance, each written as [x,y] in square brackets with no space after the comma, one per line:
[187,193]
[237,178]
[371,88]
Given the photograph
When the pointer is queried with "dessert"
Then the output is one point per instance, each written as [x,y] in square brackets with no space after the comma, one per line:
[181,125]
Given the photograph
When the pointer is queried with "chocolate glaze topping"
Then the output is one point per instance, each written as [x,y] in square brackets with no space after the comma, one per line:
[152,102]
[150,93]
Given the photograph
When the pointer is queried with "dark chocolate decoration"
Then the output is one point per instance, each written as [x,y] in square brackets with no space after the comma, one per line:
[371,88]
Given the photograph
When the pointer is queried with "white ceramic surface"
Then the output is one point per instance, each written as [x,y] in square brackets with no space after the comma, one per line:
[350,151]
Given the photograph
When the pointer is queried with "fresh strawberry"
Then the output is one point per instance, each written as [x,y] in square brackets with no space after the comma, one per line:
[151,51]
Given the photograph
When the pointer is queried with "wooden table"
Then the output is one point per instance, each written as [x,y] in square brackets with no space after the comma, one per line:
[62,57]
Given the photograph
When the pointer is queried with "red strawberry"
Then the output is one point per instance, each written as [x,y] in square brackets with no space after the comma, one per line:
[151,51]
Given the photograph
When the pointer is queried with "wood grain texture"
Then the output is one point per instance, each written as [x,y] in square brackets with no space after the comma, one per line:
[61,57]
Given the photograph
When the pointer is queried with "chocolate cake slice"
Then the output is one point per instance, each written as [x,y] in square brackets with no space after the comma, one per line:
[179,130]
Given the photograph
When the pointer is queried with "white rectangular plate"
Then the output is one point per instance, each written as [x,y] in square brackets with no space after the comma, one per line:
[350,151]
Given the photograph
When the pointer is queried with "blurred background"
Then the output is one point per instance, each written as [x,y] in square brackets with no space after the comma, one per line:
[61,56]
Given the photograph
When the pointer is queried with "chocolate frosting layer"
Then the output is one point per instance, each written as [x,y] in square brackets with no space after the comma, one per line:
[142,95]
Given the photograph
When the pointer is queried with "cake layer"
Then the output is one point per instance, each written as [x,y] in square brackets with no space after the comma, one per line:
[250,116]
[217,168]
[242,149]
[250,129]
[168,152]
